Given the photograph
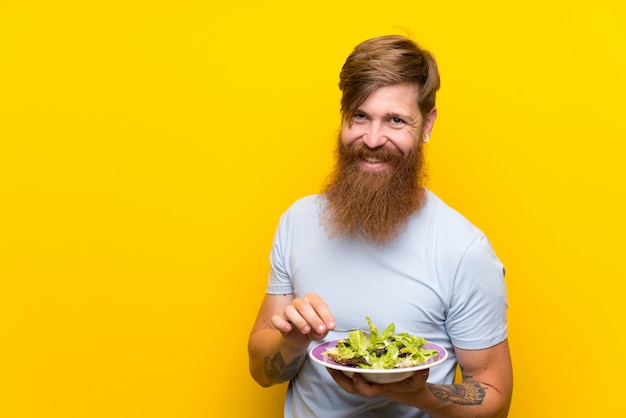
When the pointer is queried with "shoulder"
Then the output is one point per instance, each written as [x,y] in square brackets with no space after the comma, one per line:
[448,222]
[302,211]
[305,206]
[456,240]
[305,203]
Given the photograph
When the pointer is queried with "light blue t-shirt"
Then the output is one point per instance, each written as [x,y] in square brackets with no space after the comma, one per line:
[439,279]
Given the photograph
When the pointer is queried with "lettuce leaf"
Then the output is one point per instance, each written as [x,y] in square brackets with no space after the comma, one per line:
[376,350]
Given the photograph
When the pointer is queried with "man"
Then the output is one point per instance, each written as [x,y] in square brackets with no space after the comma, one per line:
[377,243]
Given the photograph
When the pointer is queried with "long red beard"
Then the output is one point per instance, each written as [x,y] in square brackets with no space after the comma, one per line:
[374,205]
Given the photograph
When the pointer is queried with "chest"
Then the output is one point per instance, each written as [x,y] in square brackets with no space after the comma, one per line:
[397,284]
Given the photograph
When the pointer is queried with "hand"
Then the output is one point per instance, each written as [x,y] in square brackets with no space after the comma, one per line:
[404,391]
[305,319]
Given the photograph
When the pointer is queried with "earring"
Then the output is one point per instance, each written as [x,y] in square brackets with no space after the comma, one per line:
[426,138]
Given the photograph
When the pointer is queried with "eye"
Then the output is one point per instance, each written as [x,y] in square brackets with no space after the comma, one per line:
[359,116]
[397,121]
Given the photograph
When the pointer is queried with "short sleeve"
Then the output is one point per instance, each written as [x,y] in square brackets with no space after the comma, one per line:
[476,317]
[279,281]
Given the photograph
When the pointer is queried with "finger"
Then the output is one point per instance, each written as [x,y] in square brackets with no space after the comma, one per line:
[342,380]
[281,324]
[294,315]
[365,388]
[322,310]
[305,317]
[419,378]
[315,313]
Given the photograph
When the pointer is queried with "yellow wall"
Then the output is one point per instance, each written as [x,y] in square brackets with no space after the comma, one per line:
[147,149]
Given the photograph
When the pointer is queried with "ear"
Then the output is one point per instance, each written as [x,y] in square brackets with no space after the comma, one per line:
[429,122]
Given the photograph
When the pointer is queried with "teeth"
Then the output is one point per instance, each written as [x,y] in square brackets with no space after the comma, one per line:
[372,160]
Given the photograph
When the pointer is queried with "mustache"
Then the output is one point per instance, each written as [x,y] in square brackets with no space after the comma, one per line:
[362,151]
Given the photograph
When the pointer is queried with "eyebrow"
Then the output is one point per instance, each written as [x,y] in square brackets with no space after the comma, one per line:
[387,115]
[406,117]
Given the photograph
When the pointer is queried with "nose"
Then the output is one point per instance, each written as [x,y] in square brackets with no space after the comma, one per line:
[375,136]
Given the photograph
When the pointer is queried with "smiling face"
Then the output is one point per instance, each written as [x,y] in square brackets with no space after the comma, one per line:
[388,118]
[388,91]
[378,181]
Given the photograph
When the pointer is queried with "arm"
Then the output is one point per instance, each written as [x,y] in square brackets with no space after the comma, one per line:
[281,334]
[485,391]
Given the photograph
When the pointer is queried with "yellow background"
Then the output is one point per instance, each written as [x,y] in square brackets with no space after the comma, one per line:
[147,149]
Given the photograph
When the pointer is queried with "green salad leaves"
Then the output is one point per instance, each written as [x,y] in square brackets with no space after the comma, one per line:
[378,350]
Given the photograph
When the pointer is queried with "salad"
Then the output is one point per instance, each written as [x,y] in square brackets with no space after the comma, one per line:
[378,350]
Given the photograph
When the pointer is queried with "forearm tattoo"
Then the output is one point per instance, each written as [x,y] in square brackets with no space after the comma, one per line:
[278,371]
[470,393]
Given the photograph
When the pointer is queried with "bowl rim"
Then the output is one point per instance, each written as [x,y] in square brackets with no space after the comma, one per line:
[315,354]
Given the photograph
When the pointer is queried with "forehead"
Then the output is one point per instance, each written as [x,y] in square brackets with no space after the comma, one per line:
[402,98]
